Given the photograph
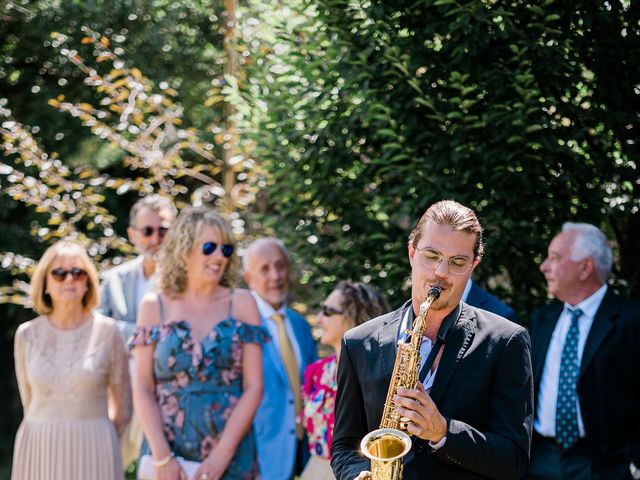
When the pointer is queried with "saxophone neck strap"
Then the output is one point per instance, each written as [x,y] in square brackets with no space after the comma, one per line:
[443,332]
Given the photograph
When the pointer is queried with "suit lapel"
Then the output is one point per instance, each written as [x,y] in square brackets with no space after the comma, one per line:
[458,341]
[275,359]
[299,335]
[129,286]
[602,325]
[542,338]
[388,339]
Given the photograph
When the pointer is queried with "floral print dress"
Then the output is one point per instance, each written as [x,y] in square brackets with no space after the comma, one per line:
[318,396]
[198,385]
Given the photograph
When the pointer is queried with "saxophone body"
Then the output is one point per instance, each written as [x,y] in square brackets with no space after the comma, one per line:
[387,446]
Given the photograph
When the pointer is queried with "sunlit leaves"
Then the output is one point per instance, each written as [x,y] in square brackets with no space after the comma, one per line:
[490,104]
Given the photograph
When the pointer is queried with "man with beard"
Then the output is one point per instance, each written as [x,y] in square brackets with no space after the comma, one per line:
[123,287]
[279,435]
[471,415]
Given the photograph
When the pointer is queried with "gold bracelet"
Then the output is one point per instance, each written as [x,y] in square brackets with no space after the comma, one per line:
[162,462]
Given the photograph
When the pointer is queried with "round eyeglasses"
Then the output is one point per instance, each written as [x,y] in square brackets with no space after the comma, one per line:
[458,265]
[209,247]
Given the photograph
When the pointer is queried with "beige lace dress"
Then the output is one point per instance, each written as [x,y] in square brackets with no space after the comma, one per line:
[71,382]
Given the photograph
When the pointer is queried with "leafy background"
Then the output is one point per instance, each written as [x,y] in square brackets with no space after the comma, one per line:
[331,124]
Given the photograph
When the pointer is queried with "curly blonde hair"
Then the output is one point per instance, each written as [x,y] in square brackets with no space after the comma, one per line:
[173,274]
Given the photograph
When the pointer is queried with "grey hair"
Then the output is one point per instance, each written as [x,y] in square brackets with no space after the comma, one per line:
[591,242]
[155,202]
[261,242]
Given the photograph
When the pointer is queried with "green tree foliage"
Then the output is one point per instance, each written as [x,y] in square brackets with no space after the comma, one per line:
[179,43]
[82,129]
[525,112]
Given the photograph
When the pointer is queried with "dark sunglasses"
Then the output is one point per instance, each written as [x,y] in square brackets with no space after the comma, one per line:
[209,247]
[328,311]
[148,231]
[60,274]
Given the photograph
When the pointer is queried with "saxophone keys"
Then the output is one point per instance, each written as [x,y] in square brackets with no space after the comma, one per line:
[404,423]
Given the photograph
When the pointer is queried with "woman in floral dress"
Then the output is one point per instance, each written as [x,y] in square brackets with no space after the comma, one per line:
[197,347]
[349,305]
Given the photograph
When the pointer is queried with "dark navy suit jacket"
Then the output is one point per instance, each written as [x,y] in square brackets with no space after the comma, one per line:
[484,389]
[482,299]
[608,383]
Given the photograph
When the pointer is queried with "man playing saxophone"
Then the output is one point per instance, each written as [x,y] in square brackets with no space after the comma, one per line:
[470,416]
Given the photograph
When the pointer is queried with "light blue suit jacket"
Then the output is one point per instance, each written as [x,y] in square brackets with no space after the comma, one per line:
[274,423]
[118,295]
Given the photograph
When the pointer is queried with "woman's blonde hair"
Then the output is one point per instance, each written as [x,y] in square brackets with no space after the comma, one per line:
[40,297]
[172,275]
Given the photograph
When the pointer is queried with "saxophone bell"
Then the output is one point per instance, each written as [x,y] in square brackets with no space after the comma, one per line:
[387,446]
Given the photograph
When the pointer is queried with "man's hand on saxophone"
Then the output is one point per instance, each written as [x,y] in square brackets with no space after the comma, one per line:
[425,421]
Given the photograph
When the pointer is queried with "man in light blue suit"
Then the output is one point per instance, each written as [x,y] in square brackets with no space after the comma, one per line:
[123,286]
[279,438]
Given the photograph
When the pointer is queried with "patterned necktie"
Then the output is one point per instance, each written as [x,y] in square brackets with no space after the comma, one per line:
[291,366]
[567,432]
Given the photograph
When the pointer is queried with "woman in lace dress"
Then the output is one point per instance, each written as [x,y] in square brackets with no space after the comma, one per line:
[198,356]
[349,304]
[73,376]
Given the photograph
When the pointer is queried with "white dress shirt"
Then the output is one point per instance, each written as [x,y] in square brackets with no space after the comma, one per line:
[143,285]
[267,311]
[425,350]
[545,422]
[467,289]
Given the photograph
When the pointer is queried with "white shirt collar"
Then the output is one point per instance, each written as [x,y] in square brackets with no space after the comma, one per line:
[590,305]
[265,309]
[467,289]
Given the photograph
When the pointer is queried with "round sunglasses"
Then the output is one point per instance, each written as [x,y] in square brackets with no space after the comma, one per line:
[209,247]
[60,274]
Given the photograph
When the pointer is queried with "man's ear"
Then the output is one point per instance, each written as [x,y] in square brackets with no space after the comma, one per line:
[131,235]
[476,261]
[411,250]
[587,268]
[247,278]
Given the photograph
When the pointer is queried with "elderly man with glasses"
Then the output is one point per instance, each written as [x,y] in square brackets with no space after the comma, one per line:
[123,287]
[470,416]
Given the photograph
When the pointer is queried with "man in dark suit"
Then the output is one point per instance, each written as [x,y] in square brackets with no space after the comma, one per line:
[585,365]
[471,416]
[477,297]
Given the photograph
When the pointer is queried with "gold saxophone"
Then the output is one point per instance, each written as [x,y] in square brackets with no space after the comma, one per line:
[387,446]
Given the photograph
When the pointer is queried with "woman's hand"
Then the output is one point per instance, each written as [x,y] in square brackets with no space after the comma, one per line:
[212,468]
[171,471]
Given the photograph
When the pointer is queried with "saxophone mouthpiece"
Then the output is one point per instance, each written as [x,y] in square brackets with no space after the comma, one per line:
[434,292]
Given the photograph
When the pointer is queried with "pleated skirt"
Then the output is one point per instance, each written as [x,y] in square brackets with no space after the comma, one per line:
[67,450]
[317,469]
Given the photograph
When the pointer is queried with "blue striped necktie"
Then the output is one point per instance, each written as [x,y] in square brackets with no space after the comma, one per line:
[567,432]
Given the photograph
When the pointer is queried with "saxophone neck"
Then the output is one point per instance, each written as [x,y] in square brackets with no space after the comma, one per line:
[420,321]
